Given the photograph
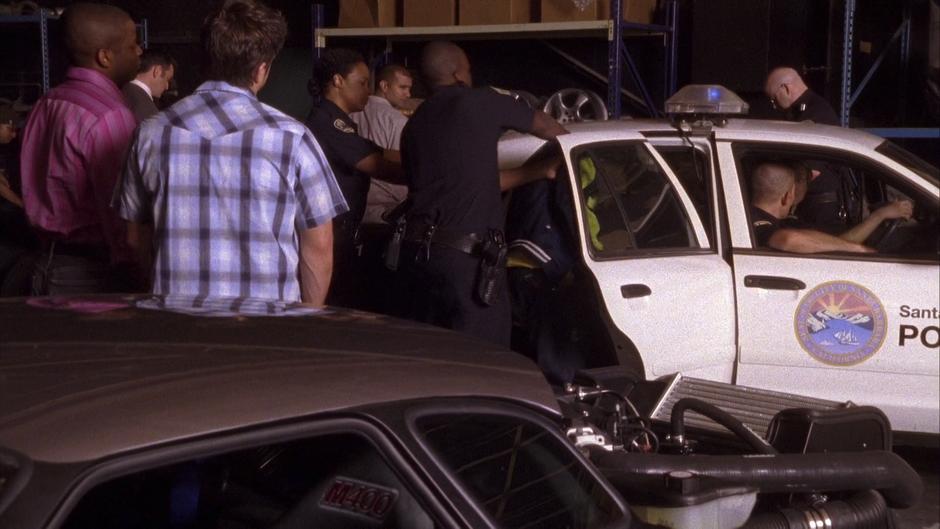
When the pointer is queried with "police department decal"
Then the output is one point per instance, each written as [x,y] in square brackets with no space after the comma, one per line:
[343,126]
[840,323]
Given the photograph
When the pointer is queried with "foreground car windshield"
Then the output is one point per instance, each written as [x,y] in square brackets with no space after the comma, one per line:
[519,473]
[909,160]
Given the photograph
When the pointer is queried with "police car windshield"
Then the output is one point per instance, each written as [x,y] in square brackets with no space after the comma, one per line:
[909,160]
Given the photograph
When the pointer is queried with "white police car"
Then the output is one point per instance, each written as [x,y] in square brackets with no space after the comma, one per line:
[670,258]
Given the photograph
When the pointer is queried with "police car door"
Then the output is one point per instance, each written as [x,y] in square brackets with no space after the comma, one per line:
[659,277]
[859,327]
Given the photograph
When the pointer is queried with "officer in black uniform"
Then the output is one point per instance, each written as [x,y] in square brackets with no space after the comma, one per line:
[340,85]
[452,266]
[774,191]
[830,199]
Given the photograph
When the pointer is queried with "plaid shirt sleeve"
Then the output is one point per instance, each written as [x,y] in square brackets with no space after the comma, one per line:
[318,195]
[131,199]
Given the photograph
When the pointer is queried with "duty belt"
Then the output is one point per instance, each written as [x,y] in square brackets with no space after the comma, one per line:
[490,248]
[468,243]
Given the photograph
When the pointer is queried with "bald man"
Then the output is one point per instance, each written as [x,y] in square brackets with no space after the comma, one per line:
[774,192]
[453,274]
[787,91]
[74,145]
[830,199]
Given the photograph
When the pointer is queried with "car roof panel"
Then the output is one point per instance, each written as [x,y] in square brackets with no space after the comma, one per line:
[77,385]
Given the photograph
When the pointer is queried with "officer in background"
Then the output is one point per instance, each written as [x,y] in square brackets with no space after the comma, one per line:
[340,85]
[453,261]
[831,196]
[382,121]
[787,91]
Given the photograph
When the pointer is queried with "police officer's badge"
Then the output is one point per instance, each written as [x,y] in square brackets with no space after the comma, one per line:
[343,126]
[840,323]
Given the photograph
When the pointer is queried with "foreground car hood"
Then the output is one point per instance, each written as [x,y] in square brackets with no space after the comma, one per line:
[84,378]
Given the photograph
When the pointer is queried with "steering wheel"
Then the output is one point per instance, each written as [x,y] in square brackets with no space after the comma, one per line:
[575,104]
[888,230]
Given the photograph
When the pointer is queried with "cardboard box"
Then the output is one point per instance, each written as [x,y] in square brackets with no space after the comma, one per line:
[430,12]
[566,11]
[479,12]
[366,13]
[639,11]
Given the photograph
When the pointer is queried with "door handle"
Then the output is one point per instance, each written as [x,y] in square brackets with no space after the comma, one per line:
[774,283]
[635,291]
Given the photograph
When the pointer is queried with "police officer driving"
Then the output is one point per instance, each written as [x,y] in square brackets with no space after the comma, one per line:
[340,85]
[452,267]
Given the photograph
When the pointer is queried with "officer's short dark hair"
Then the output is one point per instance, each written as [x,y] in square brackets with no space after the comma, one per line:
[801,171]
[150,58]
[239,35]
[389,72]
[334,61]
[771,180]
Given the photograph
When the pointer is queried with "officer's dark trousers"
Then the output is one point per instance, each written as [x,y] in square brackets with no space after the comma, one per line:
[441,292]
[546,328]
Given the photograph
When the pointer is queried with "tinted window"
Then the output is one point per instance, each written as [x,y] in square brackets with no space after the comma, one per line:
[523,476]
[628,202]
[335,481]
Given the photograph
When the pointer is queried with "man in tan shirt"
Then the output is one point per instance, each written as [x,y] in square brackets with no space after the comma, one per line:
[382,122]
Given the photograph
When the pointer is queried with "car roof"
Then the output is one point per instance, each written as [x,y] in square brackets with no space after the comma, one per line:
[515,148]
[806,130]
[84,378]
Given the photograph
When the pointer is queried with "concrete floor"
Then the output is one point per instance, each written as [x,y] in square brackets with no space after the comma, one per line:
[925,515]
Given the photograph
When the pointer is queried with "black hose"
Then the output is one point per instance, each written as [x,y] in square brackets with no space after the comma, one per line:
[883,471]
[865,510]
[721,417]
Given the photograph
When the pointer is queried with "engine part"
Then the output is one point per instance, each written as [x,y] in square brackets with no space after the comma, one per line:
[785,473]
[803,430]
[752,406]
[584,436]
[865,510]
[685,500]
[721,417]
[575,104]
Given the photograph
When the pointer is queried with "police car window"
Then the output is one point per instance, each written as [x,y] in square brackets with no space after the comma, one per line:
[909,160]
[854,189]
[691,168]
[520,474]
[337,481]
[628,201]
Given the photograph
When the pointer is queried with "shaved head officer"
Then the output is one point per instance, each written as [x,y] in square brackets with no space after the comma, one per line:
[788,92]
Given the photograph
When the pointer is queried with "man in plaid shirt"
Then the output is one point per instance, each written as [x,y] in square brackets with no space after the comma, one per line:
[232,197]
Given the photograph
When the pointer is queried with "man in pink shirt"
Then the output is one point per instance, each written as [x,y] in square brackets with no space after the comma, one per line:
[74,145]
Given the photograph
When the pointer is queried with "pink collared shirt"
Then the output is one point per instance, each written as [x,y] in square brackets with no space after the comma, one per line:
[74,145]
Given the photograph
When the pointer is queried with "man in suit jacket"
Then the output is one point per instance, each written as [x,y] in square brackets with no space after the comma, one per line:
[153,78]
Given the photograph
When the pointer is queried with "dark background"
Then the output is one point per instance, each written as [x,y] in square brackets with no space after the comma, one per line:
[731,42]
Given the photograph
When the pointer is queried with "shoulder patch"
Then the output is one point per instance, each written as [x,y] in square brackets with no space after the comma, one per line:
[342,126]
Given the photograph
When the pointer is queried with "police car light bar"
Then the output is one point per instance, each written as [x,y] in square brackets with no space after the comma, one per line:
[705,99]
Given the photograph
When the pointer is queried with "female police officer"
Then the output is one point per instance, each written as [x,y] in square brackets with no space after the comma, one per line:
[340,85]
